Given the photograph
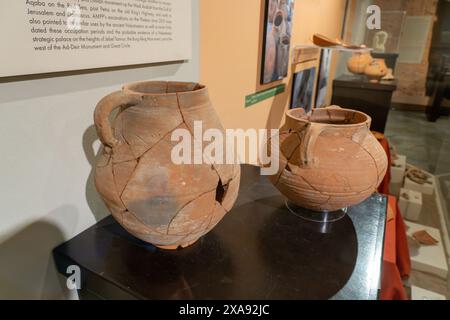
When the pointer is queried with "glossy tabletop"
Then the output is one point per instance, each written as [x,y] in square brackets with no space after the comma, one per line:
[260,250]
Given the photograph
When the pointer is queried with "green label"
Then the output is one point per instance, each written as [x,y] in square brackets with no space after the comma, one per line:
[263,95]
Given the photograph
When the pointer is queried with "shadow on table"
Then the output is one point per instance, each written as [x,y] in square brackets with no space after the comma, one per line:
[308,263]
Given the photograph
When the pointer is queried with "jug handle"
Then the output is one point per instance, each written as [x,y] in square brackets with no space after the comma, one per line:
[311,133]
[104,109]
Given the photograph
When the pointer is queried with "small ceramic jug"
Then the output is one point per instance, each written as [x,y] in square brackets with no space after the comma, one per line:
[328,159]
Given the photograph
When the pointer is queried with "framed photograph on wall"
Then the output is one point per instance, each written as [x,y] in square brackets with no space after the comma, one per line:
[323,81]
[277,40]
[303,89]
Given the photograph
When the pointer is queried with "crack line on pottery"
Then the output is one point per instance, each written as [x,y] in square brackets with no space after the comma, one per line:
[115,179]
[138,159]
[145,226]
[184,206]
[373,158]
[193,137]
[287,163]
[199,229]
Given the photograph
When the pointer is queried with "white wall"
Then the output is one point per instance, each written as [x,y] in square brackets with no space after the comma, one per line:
[47,148]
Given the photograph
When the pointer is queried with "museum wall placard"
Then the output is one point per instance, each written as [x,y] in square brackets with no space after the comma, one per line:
[41,36]
[49,145]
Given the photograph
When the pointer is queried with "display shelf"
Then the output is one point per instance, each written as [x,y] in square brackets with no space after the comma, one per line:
[430,259]
[260,250]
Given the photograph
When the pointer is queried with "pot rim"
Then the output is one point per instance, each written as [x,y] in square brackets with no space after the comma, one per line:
[196,88]
[367,121]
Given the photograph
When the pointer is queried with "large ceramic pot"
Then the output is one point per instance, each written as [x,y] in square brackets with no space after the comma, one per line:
[329,159]
[376,70]
[156,200]
[358,62]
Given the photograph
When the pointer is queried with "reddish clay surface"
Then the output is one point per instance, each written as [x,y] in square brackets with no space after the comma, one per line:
[358,62]
[329,159]
[157,201]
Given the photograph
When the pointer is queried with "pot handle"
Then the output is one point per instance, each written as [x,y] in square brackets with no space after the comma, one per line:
[104,109]
[311,133]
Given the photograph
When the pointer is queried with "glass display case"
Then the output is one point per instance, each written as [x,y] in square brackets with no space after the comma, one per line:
[387,39]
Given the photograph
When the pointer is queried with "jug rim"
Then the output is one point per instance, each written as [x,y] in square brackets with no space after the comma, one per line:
[163,88]
[305,117]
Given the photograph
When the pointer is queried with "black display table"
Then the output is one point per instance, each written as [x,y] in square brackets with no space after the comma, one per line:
[259,251]
[357,92]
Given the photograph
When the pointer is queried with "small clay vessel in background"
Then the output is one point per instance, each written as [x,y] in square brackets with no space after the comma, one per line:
[358,62]
[153,198]
[376,70]
[326,42]
[323,41]
[329,159]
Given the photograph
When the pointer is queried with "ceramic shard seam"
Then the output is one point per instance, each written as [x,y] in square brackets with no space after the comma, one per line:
[319,205]
[144,225]
[200,229]
[212,216]
[295,149]
[116,182]
[107,162]
[287,161]
[329,115]
[184,206]
[133,175]
[140,138]
[280,174]
[123,136]
[126,184]
[181,113]
[346,194]
[157,142]
[120,216]
[121,133]
[312,187]
[210,219]
[374,161]
[193,137]
[162,138]
[115,186]
[224,208]
[125,141]
[125,161]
